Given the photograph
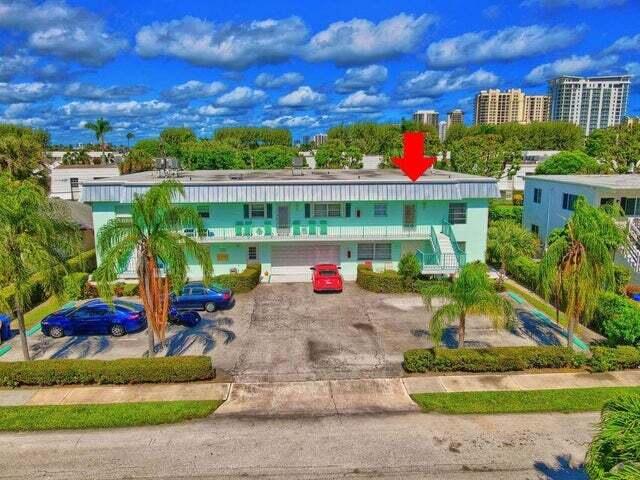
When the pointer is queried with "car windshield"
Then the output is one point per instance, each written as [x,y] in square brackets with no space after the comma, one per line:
[128,306]
[328,273]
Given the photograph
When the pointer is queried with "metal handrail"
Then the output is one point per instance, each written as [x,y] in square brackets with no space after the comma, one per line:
[447,229]
[436,246]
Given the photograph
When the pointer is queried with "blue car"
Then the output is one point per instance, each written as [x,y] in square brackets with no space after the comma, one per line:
[96,317]
[197,296]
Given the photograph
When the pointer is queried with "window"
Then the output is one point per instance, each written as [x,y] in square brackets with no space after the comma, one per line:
[327,209]
[380,210]
[197,291]
[631,206]
[462,246]
[537,195]
[374,251]
[535,229]
[457,213]
[252,253]
[74,182]
[607,201]
[256,210]
[569,201]
[203,211]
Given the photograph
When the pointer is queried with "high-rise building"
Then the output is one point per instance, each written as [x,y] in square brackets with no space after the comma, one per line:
[442,130]
[320,139]
[494,107]
[537,108]
[631,121]
[590,102]
[427,117]
[455,117]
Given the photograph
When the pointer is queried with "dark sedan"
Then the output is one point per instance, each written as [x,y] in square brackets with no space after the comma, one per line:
[96,317]
[197,296]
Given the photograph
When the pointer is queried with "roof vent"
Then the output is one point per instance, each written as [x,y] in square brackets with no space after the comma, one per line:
[236,176]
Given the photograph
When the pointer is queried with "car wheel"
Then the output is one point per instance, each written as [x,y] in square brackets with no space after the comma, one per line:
[117,330]
[56,332]
[210,307]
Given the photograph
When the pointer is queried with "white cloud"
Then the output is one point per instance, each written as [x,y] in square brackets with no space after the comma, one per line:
[211,111]
[360,41]
[633,68]
[12,65]
[131,108]
[291,121]
[302,97]
[94,92]
[574,3]
[415,102]
[507,44]
[56,28]
[267,80]
[241,97]
[361,101]
[572,65]
[433,83]
[25,92]
[625,43]
[361,78]
[227,45]
[193,89]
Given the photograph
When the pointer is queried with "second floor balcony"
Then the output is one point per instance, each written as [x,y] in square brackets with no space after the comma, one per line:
[249,231]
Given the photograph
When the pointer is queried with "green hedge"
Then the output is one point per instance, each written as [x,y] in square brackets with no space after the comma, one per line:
[617,318]
[383,282]
[604,359]
[513,213]
[123,371]
[74,284]
[85,262]
[242,282]
[524,270]
[493,359]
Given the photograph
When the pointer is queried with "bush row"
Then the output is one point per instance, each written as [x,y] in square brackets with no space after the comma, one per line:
[507,359]
[242,282]
[85,262]
[617,318]
[123,371]
[388,281]
[512,213]
[494,359]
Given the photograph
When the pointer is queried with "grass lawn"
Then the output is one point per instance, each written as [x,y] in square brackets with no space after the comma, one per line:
[35,315]
[57,417]
[537,302]
[569,400]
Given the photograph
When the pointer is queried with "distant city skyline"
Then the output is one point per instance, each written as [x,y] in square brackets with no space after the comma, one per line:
[288,64]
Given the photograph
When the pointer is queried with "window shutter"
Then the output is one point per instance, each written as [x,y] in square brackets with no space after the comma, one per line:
[246,210]
[269,210]
[307,210]
[347,210]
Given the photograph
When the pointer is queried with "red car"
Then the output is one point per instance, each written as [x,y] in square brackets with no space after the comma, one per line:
[326,278]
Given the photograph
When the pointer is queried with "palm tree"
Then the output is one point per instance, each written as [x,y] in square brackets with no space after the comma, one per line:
[100,127]
[153,234]
[507,240]
[130,136]
[468,294]
[615,450]
[579,264]
[37,238]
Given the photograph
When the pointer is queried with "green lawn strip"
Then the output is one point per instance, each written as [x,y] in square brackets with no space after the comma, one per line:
[35,315]
[564,400]
[57,417]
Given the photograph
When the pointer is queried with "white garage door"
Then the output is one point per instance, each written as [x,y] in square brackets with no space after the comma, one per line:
[291,263]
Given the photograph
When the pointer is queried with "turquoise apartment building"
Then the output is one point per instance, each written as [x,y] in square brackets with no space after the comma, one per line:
[288,221]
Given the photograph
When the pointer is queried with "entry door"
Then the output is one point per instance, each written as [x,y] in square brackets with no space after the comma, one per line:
[283,219]
[409,219]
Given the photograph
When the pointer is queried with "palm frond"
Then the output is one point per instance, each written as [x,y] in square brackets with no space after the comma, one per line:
[444,316]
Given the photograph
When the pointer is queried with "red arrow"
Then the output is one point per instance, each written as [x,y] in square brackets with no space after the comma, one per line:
[414,163]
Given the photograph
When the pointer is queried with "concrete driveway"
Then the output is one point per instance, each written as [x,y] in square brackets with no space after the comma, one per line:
[285,332]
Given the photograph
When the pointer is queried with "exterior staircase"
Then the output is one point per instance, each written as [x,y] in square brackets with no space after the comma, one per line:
[443,257]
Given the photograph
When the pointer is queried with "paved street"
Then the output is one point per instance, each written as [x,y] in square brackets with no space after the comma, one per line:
[407,446]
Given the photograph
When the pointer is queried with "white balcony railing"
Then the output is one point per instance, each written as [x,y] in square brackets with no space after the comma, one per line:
[249,232]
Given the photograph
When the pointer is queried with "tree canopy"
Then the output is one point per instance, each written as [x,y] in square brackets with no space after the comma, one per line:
[211,155]
[335,154]
[22,152]
[273,157]
[488,155]
[253,137]
[173,137]
[567,163]
[616,148]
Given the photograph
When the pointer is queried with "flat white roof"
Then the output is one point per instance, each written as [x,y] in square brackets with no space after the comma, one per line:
[611,182]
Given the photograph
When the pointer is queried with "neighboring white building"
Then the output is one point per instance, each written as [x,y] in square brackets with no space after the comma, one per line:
[56,155]
[426,117]
[549,202]
[590,102]
[530,160]
[320,139]
[67,180]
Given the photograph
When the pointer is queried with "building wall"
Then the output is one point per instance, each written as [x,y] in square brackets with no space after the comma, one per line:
[230,254]
[61,184]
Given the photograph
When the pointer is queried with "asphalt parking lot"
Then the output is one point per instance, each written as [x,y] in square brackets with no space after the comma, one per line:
[285,332]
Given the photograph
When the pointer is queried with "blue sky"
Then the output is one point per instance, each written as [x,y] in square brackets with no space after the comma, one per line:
[297,64]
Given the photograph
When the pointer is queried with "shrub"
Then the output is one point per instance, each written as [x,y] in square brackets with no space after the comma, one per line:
[74,284]
[618,319]
[605,359]
[409,268]
[90,291]
[122,371]
[242,282]
[622,277]
[567,163]
[517,198]
[384,282]
[524,270]
[492,359]
[512,213]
